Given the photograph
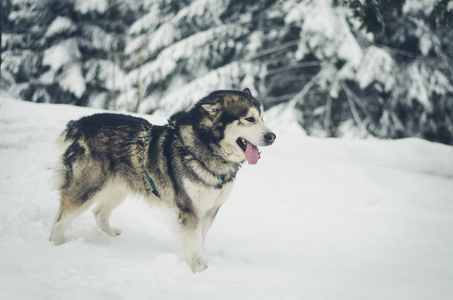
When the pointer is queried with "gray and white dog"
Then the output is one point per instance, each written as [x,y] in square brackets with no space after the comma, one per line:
[188,165]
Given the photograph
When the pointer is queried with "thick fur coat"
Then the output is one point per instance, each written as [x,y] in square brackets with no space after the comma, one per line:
[188,165]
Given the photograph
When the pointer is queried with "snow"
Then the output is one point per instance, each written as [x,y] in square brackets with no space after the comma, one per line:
[86,6]
[202,11]
[60,25]
[164,36]
[185,95]
[72,80]
[419,86]
[193,47]
[284,117]
[314,219]
[100,39]
[415,6]
[63,53]
[439,84]
[65,56]
[324,32]
[377,66]
[105,71]
[148,21]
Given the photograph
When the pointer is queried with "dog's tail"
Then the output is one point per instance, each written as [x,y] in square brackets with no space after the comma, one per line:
[67,136]
[66,139]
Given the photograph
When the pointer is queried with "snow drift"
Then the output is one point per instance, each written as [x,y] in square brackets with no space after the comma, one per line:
[315,219]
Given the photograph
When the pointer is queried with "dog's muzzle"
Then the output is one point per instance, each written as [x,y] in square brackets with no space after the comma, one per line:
[269,138]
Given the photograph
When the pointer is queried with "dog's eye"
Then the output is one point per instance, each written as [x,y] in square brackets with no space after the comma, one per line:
[250,119]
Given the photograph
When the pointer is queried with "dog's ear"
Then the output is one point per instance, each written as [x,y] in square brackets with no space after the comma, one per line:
[247,91]
[212,108]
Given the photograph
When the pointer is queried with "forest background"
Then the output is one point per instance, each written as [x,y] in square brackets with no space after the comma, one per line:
[354,68]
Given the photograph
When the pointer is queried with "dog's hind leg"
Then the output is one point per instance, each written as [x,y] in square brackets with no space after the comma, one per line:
[68,211]
[107,200]
[80,183]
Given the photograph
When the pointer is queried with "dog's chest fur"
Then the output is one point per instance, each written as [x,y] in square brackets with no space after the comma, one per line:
[206,200]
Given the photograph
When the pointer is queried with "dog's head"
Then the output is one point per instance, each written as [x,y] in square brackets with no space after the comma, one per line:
[233,120]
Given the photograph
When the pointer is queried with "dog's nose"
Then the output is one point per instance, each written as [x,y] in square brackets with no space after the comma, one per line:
[270,137]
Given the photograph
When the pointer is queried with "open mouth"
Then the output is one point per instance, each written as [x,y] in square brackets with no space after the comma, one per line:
[252,154]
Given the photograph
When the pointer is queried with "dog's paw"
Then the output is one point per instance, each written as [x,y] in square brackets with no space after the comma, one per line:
[113,232]
[57,235]
[199,268]
[197,265]
[57,241]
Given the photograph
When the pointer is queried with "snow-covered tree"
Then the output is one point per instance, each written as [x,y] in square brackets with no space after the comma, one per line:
[179,51]
[23,23]
[394,83]
[64,50]
[338,68]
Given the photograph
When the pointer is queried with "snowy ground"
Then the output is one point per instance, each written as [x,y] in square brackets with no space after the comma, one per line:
[315,219]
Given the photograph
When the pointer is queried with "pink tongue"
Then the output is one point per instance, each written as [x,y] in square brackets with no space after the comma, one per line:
[251,154]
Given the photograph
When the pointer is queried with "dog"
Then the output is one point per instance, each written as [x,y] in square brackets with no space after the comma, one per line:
[188,165]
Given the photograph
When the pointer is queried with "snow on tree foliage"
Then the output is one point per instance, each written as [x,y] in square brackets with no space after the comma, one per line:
[85,6]
[376,66]
[338,68]
[64,61]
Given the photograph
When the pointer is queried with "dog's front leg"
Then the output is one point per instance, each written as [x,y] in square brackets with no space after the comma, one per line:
[192,244]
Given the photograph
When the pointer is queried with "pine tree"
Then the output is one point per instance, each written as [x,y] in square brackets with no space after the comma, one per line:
[23,23]
[184,52]
[338,68]
[65,51]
